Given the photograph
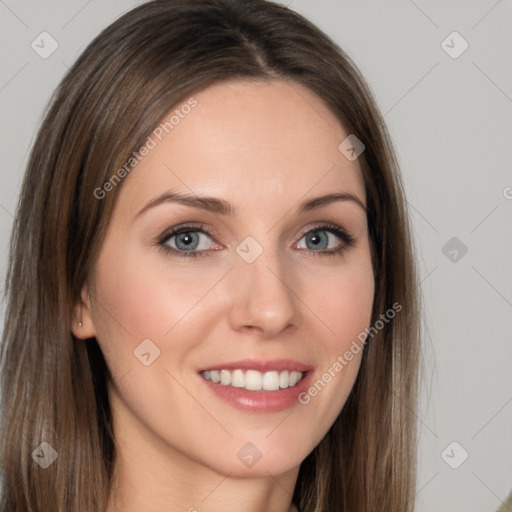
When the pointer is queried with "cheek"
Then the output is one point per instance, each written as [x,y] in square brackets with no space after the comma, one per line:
[138,300]
[355,300]
[344,304]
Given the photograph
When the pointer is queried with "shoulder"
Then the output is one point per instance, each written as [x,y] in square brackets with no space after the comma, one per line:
[505,506]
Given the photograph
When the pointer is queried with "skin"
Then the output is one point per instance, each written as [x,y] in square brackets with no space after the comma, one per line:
[264,147]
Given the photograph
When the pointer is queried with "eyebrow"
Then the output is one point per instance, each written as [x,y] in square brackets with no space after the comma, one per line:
[221,207]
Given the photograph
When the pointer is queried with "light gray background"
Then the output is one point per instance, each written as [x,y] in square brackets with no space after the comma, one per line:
[450,120]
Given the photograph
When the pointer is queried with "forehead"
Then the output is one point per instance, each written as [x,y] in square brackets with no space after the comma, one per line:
[248,140]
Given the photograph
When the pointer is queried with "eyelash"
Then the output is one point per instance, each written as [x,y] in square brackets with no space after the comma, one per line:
[347,240]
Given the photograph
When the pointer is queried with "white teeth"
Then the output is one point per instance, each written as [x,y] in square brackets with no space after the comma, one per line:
[284,379]
[225,377]
[254,380]
[271,381]
[237,379]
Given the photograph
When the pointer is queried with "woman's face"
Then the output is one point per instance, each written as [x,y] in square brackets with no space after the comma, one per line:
[269,279]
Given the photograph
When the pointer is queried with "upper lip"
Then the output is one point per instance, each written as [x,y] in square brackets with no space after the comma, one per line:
[260,365]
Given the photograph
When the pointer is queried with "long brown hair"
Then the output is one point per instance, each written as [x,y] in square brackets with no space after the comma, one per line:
[54,385]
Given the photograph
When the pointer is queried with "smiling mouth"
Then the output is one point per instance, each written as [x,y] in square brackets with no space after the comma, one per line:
[254,380]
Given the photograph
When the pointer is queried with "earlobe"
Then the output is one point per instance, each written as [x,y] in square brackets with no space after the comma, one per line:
[82,324]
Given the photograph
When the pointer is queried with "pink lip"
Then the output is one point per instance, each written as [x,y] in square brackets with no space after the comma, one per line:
[261,401]
[260,365]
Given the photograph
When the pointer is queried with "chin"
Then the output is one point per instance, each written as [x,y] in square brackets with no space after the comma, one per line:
[257,454]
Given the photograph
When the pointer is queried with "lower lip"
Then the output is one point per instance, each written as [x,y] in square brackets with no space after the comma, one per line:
[260,401]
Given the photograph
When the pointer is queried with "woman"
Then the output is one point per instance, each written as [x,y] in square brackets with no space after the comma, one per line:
[212,297]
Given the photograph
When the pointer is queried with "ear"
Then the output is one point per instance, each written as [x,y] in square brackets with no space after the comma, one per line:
[82,324]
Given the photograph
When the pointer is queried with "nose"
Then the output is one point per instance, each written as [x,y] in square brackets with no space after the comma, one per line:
[264,300]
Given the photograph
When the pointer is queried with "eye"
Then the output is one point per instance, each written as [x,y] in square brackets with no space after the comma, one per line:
[187,241]
[326,239]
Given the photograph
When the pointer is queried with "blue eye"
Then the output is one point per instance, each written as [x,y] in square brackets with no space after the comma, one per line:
[319,239]
[326,239]
[187,240]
